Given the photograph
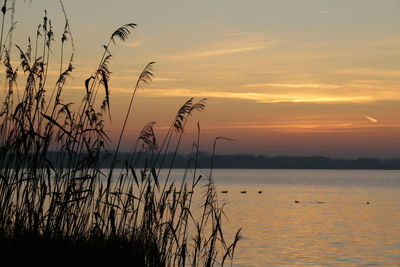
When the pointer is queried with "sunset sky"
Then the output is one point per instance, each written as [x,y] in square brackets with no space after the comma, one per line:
[299,77]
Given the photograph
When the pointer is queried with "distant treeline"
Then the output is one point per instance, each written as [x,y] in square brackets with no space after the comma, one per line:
[302,162]
[242,161]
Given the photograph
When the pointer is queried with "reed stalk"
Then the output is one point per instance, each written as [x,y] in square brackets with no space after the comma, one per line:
[56,201]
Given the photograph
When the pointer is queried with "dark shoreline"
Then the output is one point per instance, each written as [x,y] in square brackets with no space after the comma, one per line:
[245,161]
[282,162]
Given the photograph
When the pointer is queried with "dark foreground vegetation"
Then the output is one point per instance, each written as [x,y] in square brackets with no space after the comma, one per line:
[74,213]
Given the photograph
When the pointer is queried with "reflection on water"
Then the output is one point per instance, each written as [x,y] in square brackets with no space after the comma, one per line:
[331,225]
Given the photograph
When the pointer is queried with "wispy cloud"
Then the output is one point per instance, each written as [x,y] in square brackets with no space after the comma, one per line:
[294,85]
[228,44]
[324,12]
[215,52]
[166,79]
[258,97]
[384,73]
[243,33]
[135,43]
[316,99]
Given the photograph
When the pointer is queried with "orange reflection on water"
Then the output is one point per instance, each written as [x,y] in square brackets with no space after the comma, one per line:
[331,225]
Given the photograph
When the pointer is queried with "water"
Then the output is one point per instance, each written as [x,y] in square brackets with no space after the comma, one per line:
[332,225]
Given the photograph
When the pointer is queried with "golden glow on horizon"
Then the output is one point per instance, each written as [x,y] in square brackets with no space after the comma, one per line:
[332,128]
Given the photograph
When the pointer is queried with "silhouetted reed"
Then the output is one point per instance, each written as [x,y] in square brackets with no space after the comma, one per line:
[67,211]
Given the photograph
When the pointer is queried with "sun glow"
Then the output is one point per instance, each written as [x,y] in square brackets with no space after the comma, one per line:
[371,119]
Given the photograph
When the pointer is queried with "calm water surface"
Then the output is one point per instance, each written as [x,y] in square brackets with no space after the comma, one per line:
[332,225]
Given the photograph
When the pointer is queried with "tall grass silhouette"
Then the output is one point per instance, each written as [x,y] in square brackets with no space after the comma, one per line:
[61,208]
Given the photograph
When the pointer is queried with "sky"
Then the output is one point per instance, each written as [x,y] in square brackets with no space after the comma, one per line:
[300,77]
